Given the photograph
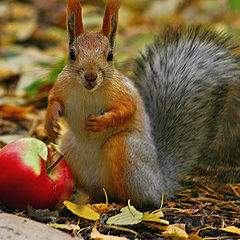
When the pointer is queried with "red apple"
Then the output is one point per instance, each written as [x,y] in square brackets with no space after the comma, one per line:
[25,180]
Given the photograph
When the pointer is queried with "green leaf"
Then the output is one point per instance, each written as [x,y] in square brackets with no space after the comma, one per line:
[128,216]
[57,68]
[69,227]
[234,5]
[33,87]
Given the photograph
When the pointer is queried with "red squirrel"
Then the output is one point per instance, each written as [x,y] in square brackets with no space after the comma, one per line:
[140,140]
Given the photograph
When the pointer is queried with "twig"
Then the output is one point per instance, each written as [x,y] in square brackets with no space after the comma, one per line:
[224,237]
[120,229]
[106,196]
[33,128]
[234,190]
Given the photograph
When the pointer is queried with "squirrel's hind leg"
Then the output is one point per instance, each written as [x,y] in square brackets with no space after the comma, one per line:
[113,163]
[141,183]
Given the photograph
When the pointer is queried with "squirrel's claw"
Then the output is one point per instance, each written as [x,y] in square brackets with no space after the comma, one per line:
[52,129]
[95,123]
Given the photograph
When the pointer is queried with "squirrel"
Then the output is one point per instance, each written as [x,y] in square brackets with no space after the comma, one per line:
[139,140]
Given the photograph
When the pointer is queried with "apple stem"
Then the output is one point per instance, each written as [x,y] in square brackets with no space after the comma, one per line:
[50,168]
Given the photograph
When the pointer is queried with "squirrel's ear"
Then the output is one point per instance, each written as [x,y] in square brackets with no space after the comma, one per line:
[74,20]
[110,20]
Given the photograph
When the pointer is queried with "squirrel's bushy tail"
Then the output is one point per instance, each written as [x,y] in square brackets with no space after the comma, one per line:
[190,83]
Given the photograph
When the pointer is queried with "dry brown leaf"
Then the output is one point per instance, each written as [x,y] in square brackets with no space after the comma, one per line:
[6,73]
[14,112]
[20,30]
[176,231]
[97,235]
[101,207]
[156,225]
[186,210]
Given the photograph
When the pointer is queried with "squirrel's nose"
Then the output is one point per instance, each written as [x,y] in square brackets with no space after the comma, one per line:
[90,76]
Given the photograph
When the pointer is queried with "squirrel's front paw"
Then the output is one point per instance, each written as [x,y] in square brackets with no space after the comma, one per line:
[96,123]
[51,124]
[52,128]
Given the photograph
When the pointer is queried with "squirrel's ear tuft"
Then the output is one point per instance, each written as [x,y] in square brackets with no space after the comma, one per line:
[110,20]
[74,19]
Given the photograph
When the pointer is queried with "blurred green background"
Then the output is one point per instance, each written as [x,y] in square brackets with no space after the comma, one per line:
[33,39]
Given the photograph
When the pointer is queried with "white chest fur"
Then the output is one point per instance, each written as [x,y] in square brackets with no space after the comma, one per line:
[79,105]
[82,148]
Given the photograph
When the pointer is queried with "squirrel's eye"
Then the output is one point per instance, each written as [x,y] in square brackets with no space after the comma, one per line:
[110,56]
[72,55]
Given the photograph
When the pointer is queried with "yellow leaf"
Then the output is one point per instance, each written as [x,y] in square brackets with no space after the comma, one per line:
[6,73]
[97,235]
[231,229]
[101,207]
[176,231]
[128,216]
[69,227]
[154,217]
[82,211]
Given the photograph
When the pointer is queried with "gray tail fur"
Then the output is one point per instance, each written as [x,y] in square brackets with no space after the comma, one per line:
[190,83]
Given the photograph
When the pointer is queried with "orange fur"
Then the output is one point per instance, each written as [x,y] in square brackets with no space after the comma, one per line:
[74,7]
[56,98]
[110,10]
[54,110]
[114,160]
[120,113]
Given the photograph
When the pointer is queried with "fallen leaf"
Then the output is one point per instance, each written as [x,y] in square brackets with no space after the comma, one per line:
[82,211]
[231,229]
[20,30]
[101,207]
[69,227]
[176,231]
[154,217]
[14,112]
[97,235]
[128,216]
[20,11]
[42,215]
[6,73]
[156,225]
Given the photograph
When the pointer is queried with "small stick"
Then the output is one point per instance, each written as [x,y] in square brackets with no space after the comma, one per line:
[120,229]
[234,190]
